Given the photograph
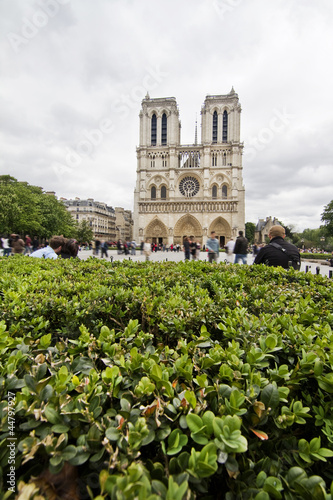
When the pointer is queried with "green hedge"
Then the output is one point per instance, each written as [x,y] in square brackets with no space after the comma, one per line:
[163,380]
[317,256]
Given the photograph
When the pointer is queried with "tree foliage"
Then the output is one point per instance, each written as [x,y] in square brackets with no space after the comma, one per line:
[26,209]
[84,233]
[250,228]
[327,218]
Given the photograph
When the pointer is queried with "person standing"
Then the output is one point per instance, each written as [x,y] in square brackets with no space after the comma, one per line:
[104,249]
[278,252]
[35,244]
[240,249]
[6,247]
[197,250]
[17,244]
[97,246]
[193,248]
[213,247]
[147,249]
[187,248]
[133,247]
[229,248]
[27,244]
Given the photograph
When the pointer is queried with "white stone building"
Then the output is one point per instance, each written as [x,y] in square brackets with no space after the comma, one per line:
[100,216]
[189,190]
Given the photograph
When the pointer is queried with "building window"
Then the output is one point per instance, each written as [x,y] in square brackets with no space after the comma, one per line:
[214,159]
[153,193]
[153,129]
[163,193]
[224,159]
[215,126]
[225,127]
[152,161]
[164,129]
[189,186]
[214,192]
[224,192]
[164,162]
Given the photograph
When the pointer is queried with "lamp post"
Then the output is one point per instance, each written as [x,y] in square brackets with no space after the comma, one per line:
[322,239]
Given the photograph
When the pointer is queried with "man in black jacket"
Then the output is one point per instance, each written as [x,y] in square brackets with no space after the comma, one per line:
[278,252]
[240,248]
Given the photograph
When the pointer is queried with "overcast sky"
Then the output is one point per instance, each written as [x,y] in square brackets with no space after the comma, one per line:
[74,73]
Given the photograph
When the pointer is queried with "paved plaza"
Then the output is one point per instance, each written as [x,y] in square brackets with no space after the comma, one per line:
[179,257]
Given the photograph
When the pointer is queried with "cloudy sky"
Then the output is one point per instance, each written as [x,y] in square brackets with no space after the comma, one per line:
[74,72]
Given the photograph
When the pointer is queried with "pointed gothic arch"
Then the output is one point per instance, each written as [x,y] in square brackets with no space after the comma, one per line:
[187,225]
[156,231]
[222,230]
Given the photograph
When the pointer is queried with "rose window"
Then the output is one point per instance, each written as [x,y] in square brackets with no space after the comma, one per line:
[189,186]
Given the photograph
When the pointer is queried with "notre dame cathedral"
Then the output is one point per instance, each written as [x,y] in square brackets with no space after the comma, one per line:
[189,190]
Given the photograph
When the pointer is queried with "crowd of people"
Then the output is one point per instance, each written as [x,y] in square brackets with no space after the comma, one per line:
[58,246]
[277,252]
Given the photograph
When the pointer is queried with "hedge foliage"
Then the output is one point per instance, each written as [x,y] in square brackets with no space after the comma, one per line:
[316,256]
[164,380]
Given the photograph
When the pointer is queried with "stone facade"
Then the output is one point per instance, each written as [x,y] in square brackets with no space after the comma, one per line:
[124,224]
[189,190]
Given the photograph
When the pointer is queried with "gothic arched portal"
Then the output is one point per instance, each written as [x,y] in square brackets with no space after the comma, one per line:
[187,226]
[156,231]
[222,230]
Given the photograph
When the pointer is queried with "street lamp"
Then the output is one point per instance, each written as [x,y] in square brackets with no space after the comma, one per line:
[322,239]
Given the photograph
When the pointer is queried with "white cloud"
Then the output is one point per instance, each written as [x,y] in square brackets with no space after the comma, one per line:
[84,63]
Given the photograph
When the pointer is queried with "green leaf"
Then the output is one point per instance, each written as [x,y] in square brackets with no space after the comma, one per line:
[194,422]
[52,415]
[59,428]
[112,434]
[270,396]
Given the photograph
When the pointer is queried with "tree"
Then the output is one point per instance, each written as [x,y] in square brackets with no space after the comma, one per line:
[55,218]
[84,233]
[250,228]
[327,218]
[26,209]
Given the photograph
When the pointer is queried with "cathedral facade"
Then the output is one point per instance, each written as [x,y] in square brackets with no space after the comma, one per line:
[189,190]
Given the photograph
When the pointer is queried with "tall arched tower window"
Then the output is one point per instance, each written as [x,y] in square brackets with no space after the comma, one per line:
[214,159]
[163,193]
[214,138]
[225,127]
[153,193]
[164,129]
[214,192]
[153,129]
[224,191]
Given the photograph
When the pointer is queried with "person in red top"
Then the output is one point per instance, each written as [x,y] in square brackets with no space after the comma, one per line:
[27,244]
